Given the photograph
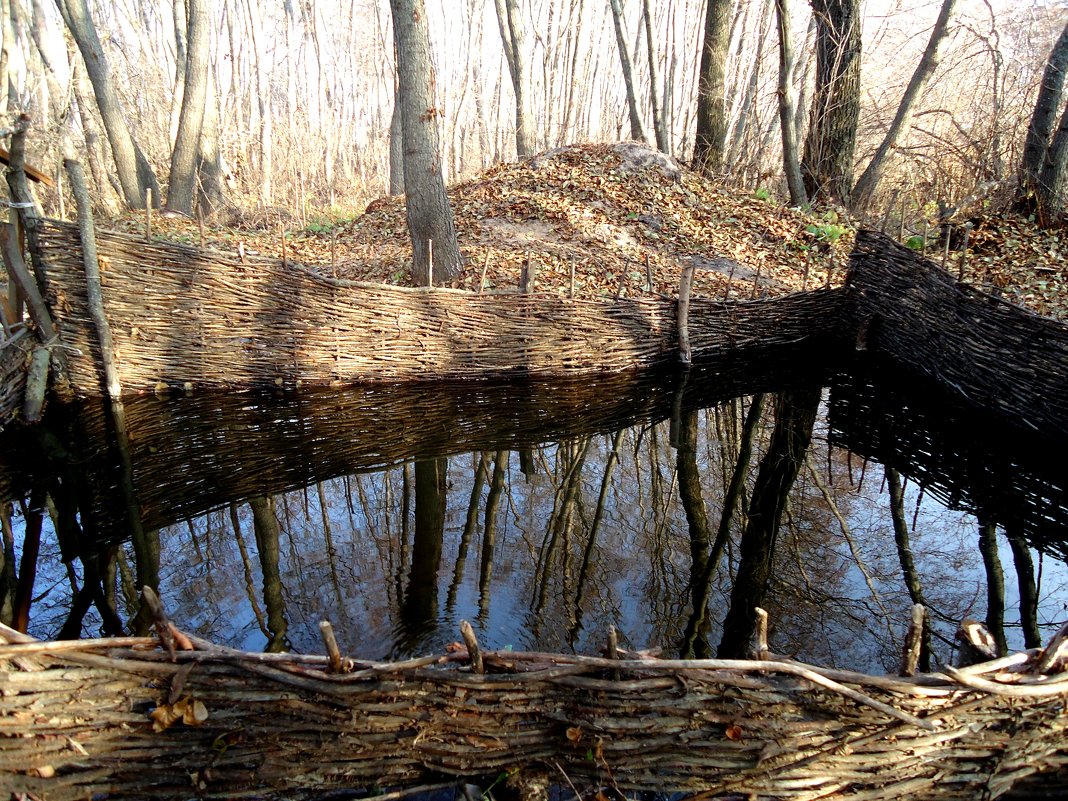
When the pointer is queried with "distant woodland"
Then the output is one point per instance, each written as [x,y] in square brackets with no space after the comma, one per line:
[223,104]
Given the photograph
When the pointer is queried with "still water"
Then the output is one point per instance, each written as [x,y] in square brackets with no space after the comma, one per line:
[665,504]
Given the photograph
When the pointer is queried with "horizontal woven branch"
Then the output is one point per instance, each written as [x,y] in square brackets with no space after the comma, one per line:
[179,315]
[76,718]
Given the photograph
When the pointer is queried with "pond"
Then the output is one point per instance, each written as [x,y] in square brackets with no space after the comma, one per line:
[666,504]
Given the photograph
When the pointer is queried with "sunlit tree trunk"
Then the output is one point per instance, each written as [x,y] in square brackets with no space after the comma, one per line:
[663,140]
[513,38]
[932,57]
[827,164]
[1040,129]
[711,139]
[135,174]
[637,130]
[430,221]
[788,107]
[263,100]
[182,188]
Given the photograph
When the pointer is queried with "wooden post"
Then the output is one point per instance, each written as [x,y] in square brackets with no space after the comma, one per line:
[36,384]
[526,276]
[756,283]
[914,641]
[282,237]
[471,642]
[622,282]
[330,642]
[612,652]
[571,286]
[685,286]
[963,262]
[760,642]
[430,263]
[94,288]
[200,225]
[485,267]
[148,213]
[648,274]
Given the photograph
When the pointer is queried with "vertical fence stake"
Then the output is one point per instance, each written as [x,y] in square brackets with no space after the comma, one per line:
[482,278]
[964,253]
[282,238]
[430,263]
[648,274]
[471,642]
[94,288]
[685,286]
[148,215]
[571,287]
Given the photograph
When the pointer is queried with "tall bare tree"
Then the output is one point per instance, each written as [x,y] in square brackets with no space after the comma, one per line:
[932,57]
[430,221]
[663,138]
[788,106]
[183,178]
[1037,165]
[135,173]
[513,38]
[711,139]
[637,129]
[827,164]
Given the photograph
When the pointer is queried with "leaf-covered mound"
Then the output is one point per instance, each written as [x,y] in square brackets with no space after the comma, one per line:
[605,209]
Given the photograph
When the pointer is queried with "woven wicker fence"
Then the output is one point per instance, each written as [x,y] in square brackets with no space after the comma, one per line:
[13,356]
[122,717]
[993,354]
[181,315]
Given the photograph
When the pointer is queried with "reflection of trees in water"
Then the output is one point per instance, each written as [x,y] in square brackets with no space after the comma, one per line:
[673,539]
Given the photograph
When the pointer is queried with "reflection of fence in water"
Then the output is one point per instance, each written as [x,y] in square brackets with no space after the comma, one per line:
[194,453]
[969,459]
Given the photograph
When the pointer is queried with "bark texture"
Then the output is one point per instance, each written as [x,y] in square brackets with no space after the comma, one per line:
[430,220]
[513,39]
[788,106]
[1040,129]
[712,123]
[932,57]
[181,192]
[827,165]
[637,130]
[135,174]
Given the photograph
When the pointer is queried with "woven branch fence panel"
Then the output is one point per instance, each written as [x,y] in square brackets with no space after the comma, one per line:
[13,355]
[993,354]
[181,315]
[78,718]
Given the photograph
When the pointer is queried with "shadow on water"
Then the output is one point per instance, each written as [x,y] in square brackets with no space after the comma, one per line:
[667,504]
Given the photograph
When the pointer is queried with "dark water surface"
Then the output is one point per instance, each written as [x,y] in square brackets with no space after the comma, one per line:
[545,512]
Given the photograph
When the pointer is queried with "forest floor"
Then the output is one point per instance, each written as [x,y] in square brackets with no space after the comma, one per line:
[626,219]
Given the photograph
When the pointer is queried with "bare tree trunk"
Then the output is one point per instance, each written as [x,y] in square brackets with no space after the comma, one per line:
[105,193]
[211,168]
[663,140]
[932,56]
[1025,578]
[711,139]
[787,106]
[263,99]
[429,214]
[135,174]
[637,130]
[1049,191]
[513,38]
[1043,118]
[181,28]
[827,164]
[182,188]
[396,149]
